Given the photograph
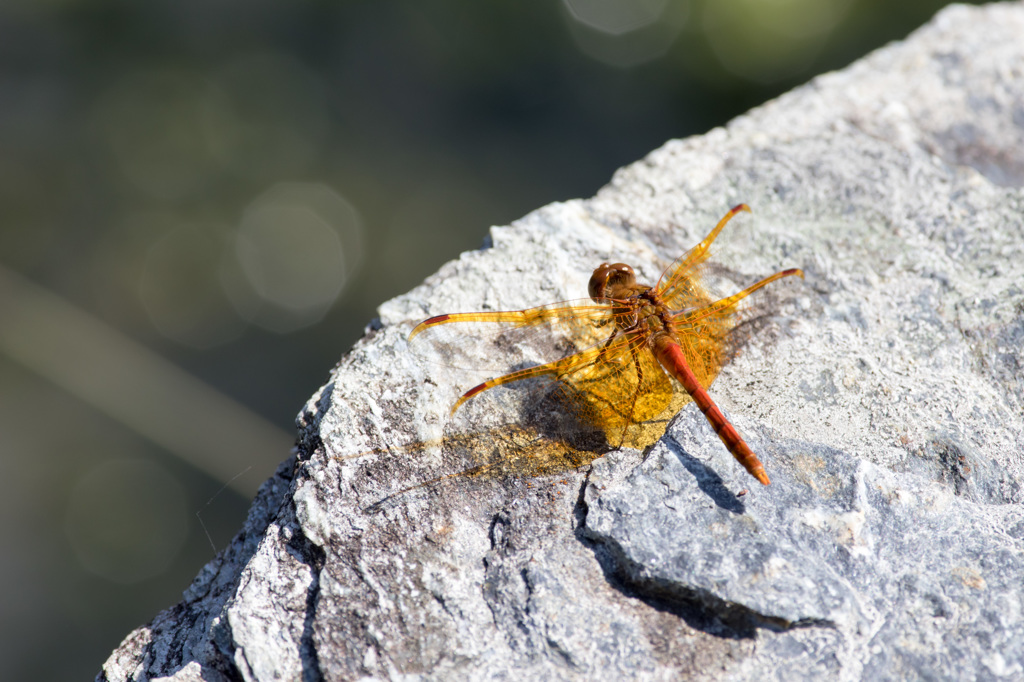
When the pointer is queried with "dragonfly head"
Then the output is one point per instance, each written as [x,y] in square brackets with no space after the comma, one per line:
[612,281]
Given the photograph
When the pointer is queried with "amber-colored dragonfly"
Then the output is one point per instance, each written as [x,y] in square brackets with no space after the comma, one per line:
[629,342]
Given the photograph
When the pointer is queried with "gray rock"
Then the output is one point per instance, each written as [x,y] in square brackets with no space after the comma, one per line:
[885,395]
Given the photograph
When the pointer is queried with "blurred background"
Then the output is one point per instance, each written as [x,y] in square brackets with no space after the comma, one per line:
[203,201]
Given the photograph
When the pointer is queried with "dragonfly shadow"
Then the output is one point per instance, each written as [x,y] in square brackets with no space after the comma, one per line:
[700,611]
[553,416]
[543,439]
[717,618]
[707,480]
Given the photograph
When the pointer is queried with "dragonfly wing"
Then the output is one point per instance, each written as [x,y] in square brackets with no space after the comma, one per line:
[567,316]
[680,285]
[611,386]
[704,346]
[703,331]
[496,340]
[618,384]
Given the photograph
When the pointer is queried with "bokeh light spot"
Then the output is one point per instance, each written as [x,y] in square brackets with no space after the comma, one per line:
[767,40]
[625,34]
[297,246]
[181,287]
[616,16]
[266,116]
[152,122]
[127,520]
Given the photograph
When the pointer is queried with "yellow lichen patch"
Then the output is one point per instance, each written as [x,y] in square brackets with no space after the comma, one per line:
[810,470]
[970,577]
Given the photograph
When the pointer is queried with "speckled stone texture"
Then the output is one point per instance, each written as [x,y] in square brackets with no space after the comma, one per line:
[884,393]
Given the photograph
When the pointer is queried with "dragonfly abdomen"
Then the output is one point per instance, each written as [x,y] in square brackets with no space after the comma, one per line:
[671,357]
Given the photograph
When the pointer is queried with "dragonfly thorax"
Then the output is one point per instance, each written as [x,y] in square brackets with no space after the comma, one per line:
[650,314]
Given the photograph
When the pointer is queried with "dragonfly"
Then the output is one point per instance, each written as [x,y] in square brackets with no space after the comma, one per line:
[635,350]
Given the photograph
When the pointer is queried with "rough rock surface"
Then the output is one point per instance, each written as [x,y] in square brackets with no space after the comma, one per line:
[885,394]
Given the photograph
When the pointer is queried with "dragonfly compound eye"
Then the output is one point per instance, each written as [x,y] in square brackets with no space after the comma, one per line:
[610,281]
[598,280]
